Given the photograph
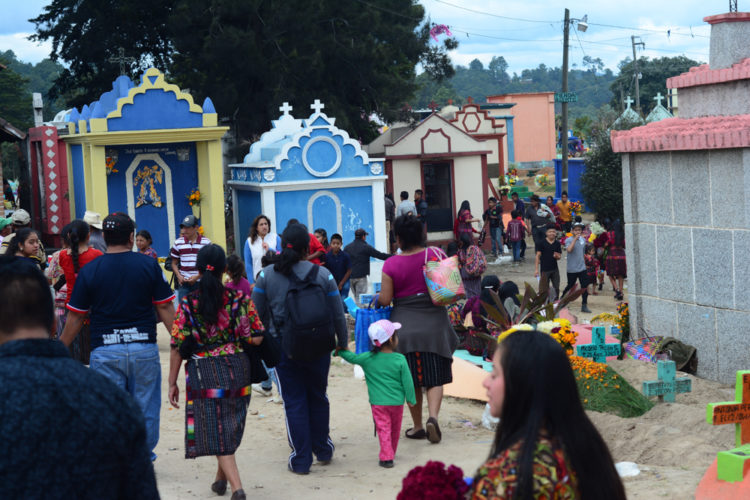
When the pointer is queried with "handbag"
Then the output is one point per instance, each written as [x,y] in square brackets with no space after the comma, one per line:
[443,278]
[365,317]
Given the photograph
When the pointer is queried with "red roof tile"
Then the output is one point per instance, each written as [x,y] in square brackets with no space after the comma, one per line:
[685,134]
[703,75]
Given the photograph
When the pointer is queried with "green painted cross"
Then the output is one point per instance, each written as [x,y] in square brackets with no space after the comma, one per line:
[732,465]
[598,349]
[734,412]
[667,385]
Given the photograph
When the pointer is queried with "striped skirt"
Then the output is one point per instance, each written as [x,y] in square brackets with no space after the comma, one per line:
[429,369]
[217,394]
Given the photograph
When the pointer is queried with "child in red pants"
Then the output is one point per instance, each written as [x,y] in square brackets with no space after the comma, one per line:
[389,383]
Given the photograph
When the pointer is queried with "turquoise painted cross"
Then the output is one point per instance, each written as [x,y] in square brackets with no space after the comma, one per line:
[598,349]
[667,385]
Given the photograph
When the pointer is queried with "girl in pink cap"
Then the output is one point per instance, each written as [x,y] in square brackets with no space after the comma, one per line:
[389,383]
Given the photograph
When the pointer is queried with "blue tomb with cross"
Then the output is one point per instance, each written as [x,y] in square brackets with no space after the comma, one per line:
[667,385]
[598,349]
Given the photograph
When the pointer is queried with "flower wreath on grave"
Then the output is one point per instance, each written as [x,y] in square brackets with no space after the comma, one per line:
[110,164]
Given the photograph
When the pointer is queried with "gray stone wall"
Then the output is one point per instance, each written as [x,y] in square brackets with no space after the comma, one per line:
[720,99]
[688,249]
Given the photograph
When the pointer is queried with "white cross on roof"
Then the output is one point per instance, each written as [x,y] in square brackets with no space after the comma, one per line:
[658,98]
[629,101]
[285,108]
[317,106]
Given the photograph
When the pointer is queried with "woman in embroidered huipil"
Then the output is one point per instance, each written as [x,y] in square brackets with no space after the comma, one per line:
[212,325]
[545,446]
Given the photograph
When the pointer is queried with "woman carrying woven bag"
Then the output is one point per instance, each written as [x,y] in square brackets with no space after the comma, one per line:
[426,337]
[211,325]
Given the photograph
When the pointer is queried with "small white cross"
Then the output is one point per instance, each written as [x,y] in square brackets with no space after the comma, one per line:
[629,101]
[285,108]
[658,98]
[317,106]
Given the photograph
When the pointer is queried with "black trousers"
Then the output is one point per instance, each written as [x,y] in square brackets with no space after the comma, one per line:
[583,278]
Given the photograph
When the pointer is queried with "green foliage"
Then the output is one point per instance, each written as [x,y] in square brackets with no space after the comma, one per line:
[39,78]
[601,181]
[613,394]
[249,56]
[654,79]
[87,33]
[15,100]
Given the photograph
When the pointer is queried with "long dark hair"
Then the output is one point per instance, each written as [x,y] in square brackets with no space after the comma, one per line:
[464,206]
[409,231]
[254,227]
[295,243]
[490,283]
[541,396]
[211,262]
[324,234]
[79,231]
[619,233]
[19,239]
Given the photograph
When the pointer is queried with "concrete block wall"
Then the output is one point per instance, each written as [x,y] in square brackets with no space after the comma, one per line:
[688,235]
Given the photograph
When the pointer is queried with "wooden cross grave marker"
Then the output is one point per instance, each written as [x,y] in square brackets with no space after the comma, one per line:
[732,464]
[598,349]
[667,385]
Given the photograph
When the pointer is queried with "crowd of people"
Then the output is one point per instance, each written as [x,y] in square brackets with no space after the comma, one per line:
[275,318]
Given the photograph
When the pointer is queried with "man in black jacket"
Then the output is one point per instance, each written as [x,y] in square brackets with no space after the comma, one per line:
[359,252]
[67,432]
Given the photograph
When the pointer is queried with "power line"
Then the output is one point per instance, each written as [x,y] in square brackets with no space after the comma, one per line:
[662,31]
[494,15]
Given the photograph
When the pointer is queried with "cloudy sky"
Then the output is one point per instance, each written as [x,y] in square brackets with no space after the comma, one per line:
[526,33]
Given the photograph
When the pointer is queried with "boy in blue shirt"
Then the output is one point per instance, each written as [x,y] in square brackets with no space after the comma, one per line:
[338,263]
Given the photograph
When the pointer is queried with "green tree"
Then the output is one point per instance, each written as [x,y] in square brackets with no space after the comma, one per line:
[250,55]
[87,33]
[40,78]
[601,181]
[15,100]
[654,78]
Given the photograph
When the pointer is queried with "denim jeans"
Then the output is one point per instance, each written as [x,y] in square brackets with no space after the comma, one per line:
[184,290]
[516,250]
[496,234]
[135,368]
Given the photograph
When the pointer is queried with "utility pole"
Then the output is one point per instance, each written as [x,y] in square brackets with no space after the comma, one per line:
[564,133]
[637,73]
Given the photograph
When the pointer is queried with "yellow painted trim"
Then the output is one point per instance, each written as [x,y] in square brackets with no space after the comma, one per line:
[211,185]
[210,119]
[98,125]
[98,169]
[88,179]
[148,136]
[71,182]
[82,126]
[71,128]
[145,85]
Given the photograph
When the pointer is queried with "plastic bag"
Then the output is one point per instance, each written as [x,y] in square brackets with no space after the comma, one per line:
[488,421]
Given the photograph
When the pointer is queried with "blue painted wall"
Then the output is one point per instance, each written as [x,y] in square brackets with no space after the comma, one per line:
[184,180]
[156,109]
[248,208]
[356,210]
[79,187]
[321,156]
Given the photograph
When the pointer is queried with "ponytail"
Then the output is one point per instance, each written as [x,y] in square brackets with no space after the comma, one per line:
[18,239]
[79,231]
[211,262]
[295,243]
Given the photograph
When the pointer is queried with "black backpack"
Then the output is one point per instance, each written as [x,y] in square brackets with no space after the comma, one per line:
[308,331]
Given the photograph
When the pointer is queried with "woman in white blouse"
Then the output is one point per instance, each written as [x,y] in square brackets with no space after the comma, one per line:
[260,242]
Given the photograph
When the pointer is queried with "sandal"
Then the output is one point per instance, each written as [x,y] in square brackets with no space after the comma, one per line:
[433,431]
[420,434]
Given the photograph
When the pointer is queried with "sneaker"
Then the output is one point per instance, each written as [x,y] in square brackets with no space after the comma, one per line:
[260,390]
[585,309]
[388,464]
